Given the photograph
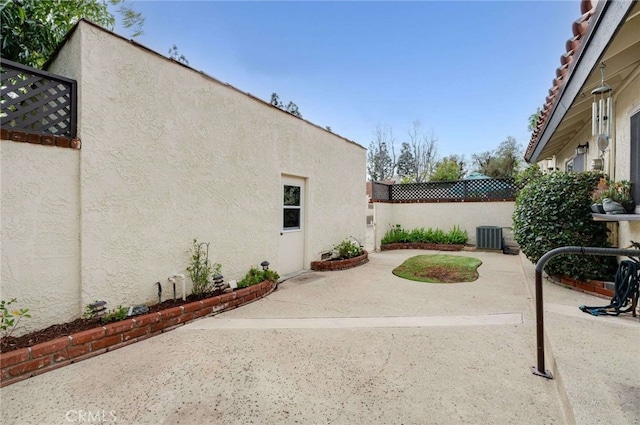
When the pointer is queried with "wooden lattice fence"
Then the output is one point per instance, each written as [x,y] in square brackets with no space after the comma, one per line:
[37,101]
[449,191]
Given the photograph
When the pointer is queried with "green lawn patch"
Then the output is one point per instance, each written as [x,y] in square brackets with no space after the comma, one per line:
[439,268]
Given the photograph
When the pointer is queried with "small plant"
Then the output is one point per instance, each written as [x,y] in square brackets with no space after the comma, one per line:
[617,191]
[116,315]
[95,309]
[421,235]
[201,271]
[458,236]
[255,276]
[395,234]
[9,319]
[347,249]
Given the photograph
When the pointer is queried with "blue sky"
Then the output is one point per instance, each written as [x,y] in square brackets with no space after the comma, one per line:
[472,72]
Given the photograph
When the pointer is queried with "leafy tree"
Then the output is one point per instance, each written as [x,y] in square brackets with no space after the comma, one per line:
[406,161]
[504,162]
[291,107]
[509,155]
[33,29]
[449,168]
[381,163]
[177,56]
[533,120]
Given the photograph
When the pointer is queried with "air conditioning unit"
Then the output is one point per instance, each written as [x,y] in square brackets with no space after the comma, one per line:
[489,237]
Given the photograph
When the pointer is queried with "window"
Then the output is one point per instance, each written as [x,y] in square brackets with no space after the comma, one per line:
[576,163]
[568,164]
[291,207]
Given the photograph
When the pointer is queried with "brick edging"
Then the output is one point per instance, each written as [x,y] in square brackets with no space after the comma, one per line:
[430,246]
[24,363]
[598,288]
[40,139]
[330,265]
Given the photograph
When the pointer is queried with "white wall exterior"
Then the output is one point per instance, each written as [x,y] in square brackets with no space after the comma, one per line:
[169,154]
[627,103]
[40,232]
[443,215]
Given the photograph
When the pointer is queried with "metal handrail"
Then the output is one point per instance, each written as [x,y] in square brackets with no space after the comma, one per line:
[539,369]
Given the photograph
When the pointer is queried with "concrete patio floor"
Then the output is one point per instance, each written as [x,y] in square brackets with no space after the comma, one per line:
[361,346]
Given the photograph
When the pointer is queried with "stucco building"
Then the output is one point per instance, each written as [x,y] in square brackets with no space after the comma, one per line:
[164,154]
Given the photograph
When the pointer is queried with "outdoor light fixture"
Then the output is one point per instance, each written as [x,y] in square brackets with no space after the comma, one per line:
[265,265]
[582,149]
[601,107]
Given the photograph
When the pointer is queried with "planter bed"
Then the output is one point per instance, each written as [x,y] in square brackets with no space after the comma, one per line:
[598,288]
[329,265]
[430,246]
[24,363]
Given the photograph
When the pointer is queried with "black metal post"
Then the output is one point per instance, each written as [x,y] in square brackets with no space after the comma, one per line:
[539,370]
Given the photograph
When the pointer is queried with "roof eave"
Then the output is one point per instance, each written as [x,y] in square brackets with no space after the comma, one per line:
[607,20]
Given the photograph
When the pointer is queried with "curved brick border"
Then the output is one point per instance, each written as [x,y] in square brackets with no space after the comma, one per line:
[328,265]
[24,363]
[431,246]
[598,288]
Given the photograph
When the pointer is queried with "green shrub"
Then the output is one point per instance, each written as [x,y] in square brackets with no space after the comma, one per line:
[421,235]
[527,175]
[458,236]
[395,234]
[255,276]
[553,211]
[347,249]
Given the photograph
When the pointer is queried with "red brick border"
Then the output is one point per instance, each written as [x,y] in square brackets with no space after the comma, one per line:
[430,246]
[328,265]
[39,139]
[24,363]
[592,287]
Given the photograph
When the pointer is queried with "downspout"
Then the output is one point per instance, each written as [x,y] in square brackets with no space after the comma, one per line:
[539,369]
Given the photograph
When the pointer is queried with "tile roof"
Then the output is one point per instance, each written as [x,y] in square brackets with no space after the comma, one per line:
[579,28]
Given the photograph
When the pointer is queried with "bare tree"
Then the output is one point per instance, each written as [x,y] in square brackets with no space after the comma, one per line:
[381,158]
[424,148]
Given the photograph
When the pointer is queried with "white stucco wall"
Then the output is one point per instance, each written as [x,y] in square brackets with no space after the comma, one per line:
[169,155]
[445,215]
[40,237]
[627,103]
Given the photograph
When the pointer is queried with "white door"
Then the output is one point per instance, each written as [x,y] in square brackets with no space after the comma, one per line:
[291,257]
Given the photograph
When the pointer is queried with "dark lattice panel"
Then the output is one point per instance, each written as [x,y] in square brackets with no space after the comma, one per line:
[380,191]
[457,190]
[37,101]
[421,191]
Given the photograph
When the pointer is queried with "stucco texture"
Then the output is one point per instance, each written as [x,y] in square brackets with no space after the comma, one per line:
[627,103]
[443,215]
[169,155]
[40,232]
